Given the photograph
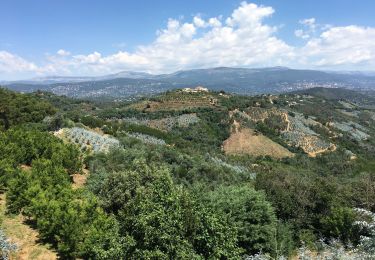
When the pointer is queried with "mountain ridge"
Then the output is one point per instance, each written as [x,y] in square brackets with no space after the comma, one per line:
[246,81]
[139,74]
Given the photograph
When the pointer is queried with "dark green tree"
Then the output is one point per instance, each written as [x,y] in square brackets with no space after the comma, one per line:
[251,214]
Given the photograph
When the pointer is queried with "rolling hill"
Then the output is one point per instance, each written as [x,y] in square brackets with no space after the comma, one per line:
[236,80]
[80,177]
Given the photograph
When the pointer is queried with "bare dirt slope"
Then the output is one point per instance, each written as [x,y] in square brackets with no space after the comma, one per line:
[246,141]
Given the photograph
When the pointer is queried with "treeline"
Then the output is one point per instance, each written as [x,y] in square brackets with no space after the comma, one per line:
[21,146]
[18,108]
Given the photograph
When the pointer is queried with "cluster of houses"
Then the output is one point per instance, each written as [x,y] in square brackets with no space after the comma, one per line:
[195,90]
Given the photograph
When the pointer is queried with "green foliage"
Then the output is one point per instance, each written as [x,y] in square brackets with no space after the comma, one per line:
[339,224]
[317,204]
[64,217]
[7,170]
[72,221]
[186,169]
[17,198]
[18,109]
[163,220]
[252,215]
[44,176]
[132,128]
[186,199]
[208,134]
[285,243]
[22,146]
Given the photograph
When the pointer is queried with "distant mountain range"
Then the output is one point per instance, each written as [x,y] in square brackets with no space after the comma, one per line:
[128,84]
[364,99]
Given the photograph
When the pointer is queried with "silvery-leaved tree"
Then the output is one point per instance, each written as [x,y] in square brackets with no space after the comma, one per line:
[367,224]
[6,246]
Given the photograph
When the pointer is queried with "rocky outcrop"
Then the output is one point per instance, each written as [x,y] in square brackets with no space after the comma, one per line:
[294,128]
[310,144]
[357,131]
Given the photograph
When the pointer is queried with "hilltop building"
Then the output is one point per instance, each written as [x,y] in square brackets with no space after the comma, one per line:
[195,90]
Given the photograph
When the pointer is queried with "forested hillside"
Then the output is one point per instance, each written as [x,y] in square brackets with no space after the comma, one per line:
[191,175]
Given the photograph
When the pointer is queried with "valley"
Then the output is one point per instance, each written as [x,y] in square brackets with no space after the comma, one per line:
[129,85]
[281,167]
[168,130]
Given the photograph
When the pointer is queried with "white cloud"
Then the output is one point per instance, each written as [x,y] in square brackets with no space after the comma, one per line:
[62,52]
[309,29]
[93,58]
[199,22]
[301,34]
[249,15]
[342,46]
[214,22]
[10,63]
[242,39]
[310,22]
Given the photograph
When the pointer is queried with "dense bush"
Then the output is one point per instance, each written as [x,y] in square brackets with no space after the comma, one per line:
[251,214]
[18,109]
[66,218]
[162,219]
[21,146]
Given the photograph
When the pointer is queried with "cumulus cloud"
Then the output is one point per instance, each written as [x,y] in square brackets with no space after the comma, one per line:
[242,39]
[214,22]
[11,63]
[249,15]
[62,52]
[199,22]
[342,46]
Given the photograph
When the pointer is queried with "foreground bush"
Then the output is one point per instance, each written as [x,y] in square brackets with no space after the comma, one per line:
[162,219]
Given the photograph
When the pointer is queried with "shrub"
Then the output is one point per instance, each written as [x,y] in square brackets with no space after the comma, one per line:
[252,215]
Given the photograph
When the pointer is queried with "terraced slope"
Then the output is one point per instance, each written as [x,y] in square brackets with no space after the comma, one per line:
[295,130]
[176,101]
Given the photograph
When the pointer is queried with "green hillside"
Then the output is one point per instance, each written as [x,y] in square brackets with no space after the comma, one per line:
[190,175]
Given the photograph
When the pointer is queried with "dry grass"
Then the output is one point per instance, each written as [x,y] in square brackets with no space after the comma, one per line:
[246,141]
[25,167]
[79,180]
[24,236]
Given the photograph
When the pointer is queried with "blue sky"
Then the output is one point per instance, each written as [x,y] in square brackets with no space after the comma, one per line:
[82,37]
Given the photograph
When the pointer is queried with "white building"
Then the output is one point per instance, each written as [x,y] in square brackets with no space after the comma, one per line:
[195,90]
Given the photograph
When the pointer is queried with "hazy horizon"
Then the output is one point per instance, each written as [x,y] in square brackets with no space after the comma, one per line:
[80,38]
